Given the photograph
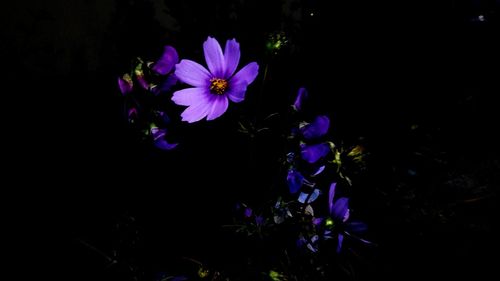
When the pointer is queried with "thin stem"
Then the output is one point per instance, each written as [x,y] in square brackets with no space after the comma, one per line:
[259,96]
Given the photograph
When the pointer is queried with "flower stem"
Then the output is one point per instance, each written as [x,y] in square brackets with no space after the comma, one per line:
[259,96]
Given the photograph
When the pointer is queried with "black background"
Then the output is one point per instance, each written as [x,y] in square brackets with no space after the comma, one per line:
[377,67]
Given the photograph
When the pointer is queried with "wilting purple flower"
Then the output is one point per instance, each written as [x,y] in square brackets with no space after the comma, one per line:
[312,153]
[159,139]
[142,81]
[125,84]
[295,180]
[164,66]
[213,87]
[132,115]
[317,128]
[301,96]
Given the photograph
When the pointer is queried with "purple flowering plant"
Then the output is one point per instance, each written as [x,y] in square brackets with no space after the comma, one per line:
[308,210]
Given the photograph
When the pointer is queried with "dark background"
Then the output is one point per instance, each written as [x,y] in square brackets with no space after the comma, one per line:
[415,80]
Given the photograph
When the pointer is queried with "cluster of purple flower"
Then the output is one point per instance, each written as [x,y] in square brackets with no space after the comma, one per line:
[314,164]
[319,158]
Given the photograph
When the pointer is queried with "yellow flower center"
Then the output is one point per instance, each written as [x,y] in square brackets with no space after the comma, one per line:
[218,86]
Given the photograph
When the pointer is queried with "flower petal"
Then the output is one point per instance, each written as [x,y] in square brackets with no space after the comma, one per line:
[231,56]
[197,111]
[248,73]
[313,153]
[159,139]
[331,194]
[340,208]
[219,106]
[318,171]
[192,73]
[295,180]
[237,90]
[303,196]
[301,96]
[164,145]
[190,96]
[214,57]
[317,128]
[339,242]
[167,61]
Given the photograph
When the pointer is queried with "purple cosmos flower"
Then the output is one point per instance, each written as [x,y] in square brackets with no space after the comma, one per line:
[213,87]
[317,128]
[312,153]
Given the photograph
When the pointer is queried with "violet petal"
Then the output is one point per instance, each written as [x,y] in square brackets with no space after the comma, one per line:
[295,180]
[339,242]
[219,106]
[301,96]
[231,56]
[317,128]
[214,57]
[192,73]
[167,61]
[331,195]
[312,153]
[340,208]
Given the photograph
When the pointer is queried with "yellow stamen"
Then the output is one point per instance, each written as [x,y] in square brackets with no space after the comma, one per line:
[218,86]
